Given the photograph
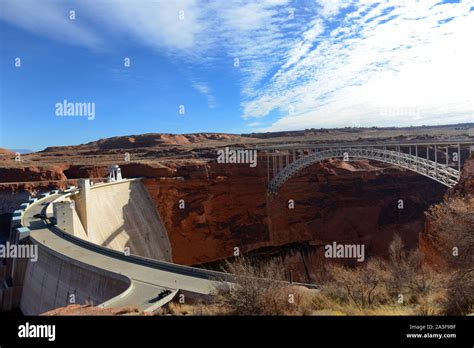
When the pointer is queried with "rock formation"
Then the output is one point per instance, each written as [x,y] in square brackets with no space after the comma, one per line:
[209,209]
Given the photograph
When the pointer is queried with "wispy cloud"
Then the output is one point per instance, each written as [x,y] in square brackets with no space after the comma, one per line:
[329,8]
[49,18]
[169,26]
[205,90]
[253,124]
[166,26]
[390,63]
[312,63]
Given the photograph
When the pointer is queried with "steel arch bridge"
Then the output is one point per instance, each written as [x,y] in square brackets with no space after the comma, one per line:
[444,174]
[438,163]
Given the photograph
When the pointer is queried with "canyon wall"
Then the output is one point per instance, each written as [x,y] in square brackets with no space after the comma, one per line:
[218,207]
[209,209]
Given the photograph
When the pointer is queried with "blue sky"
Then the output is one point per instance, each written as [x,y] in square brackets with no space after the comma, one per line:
[301,64]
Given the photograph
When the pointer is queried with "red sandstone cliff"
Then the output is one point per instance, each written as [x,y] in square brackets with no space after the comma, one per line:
[227,206]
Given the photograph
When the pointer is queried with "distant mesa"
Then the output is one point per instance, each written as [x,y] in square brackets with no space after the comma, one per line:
[22,151]
[148,140]
[153,139]
[6,151]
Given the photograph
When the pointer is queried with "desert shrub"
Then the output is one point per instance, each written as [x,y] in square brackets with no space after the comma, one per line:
[362,286]
[371,288]
[459,299]
[408,275]
[182,309]
[259,288]
[382,283]
[452,225]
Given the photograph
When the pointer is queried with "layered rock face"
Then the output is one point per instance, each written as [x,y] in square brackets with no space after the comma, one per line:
[219,207]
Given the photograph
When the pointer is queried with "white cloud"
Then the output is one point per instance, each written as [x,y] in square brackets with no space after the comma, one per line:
[252,32]
[253,124]
[330,8]
[385,63]
[409,70]
[161,25]
[49,18]
[205,90]
[302,47]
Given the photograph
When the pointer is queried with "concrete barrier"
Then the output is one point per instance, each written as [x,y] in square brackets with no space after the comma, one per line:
[22,233]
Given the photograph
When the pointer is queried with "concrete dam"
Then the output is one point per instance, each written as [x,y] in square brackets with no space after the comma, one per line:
[121,216]
[101,244]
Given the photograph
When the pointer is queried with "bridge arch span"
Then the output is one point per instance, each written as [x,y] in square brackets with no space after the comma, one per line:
[439,172]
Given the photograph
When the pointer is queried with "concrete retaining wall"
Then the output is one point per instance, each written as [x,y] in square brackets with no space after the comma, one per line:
[50,282]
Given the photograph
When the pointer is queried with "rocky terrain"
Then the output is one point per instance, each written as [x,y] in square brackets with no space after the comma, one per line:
[227,205]
[87,310]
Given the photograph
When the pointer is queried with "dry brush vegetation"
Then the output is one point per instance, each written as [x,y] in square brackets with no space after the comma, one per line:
[403,284]
[452,235]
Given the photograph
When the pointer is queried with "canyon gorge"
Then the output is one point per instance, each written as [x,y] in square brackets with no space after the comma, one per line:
[210,209]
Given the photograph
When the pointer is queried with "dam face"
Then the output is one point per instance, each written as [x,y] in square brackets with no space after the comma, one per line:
[54,281]
[121,216]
